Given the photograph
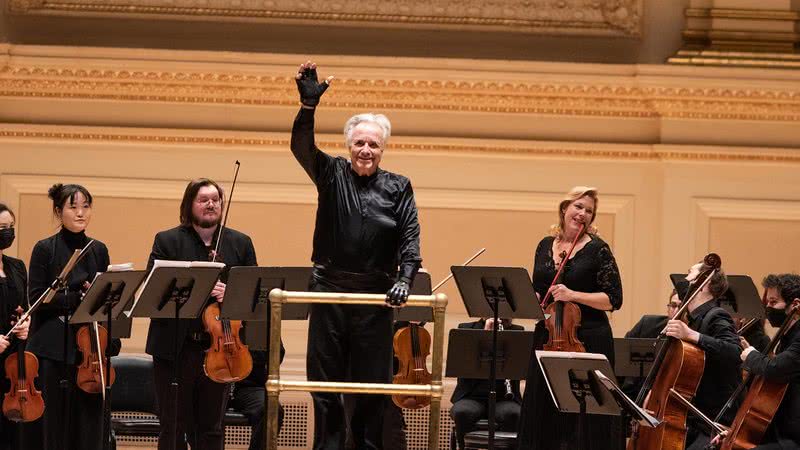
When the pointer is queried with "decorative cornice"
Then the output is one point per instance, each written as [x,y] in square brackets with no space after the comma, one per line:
[539,149]
[568,17]
[599,99]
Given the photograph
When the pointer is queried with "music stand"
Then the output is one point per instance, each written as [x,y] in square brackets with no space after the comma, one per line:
[250,287]
[105,301]
[420,286]
[505,292]
[574,382]
[469,353]
[176,293]
[634,356]
[740,300]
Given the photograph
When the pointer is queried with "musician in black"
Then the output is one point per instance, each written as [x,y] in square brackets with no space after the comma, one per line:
[471,396]
[649,327]
[710,328]
[590,279]
[784,367]
[13,294]
[202,402]
[366,227]
[68,408]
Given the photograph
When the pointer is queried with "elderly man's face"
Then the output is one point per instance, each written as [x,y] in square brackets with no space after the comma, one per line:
[366,148]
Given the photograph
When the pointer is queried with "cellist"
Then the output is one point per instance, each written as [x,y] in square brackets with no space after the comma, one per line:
[710,328]
[784,367]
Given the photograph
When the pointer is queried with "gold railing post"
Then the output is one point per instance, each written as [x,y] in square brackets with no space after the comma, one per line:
[439,306]
[274,384]
[273,381]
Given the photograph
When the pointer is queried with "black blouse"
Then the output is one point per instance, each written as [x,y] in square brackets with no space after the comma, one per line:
[590,269]
[48,258]
[13,293]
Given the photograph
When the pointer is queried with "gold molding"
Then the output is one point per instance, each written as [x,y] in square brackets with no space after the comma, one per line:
[567,17]
[534,149]
[596,99]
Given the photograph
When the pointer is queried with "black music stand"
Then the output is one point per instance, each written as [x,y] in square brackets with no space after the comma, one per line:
[249,289]
[496,292]
[574,382]
[469,353]
[104,302]
[740,300]
[175,293]
[420,286]
[634,356]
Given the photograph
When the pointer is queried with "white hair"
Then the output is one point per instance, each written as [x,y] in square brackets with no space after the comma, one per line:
[378,119]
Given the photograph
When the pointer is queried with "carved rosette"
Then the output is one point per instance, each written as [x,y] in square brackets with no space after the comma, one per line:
[569,17]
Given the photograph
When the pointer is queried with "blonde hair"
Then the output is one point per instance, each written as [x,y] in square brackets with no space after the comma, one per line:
[574,194]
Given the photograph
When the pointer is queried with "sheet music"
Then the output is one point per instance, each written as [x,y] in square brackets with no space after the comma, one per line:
[642,416]
[168,263]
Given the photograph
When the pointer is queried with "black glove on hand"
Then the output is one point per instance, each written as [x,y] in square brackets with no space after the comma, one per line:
[398,294]
[309,87]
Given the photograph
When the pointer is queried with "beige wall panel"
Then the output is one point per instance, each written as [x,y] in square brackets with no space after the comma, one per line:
[756,247]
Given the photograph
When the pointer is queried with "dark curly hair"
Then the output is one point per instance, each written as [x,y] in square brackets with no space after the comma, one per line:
[787,284]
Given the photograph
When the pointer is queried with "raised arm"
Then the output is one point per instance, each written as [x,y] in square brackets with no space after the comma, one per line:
[314,161]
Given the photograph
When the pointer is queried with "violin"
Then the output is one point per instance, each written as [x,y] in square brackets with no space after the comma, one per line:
[673,380]
[228,359]
[412,344]
[22,403]
[92,375]
[761,403]
[563,318]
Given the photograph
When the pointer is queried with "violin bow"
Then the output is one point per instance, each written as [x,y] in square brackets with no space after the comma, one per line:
[466,263]
[561,266]
[227,210]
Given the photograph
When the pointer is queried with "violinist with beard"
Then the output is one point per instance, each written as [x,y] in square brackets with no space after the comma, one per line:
[201,401]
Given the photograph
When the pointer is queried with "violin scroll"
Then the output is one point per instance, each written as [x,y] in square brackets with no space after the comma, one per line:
[713,260]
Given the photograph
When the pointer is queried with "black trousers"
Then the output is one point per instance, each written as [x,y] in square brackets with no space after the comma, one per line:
[468,411]
[394,424]
[781,444]
[82,415]
[347,342]
[249,400]
[201,402]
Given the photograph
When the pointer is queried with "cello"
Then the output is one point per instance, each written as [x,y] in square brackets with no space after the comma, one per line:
[763,399]
[23,402]
[563,318]
[228,359]
[673,380]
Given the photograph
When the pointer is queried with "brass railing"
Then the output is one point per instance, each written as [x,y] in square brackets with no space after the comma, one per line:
[275,385]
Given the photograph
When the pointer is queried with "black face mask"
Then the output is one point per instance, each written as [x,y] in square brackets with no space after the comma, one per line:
[776,317]
[6,238]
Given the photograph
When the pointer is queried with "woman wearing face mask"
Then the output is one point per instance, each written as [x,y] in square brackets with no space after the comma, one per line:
[72,418]
[590,280]
[13,294]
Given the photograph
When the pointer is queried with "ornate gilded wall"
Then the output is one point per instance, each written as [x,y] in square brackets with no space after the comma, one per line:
[687,159]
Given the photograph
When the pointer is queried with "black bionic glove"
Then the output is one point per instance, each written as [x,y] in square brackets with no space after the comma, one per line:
[309,87]
[398,294]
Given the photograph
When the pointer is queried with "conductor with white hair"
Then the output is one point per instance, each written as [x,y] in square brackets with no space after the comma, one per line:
[366,239]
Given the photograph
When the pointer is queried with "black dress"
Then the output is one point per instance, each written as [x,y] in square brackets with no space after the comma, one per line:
[542,426]
[66,409]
